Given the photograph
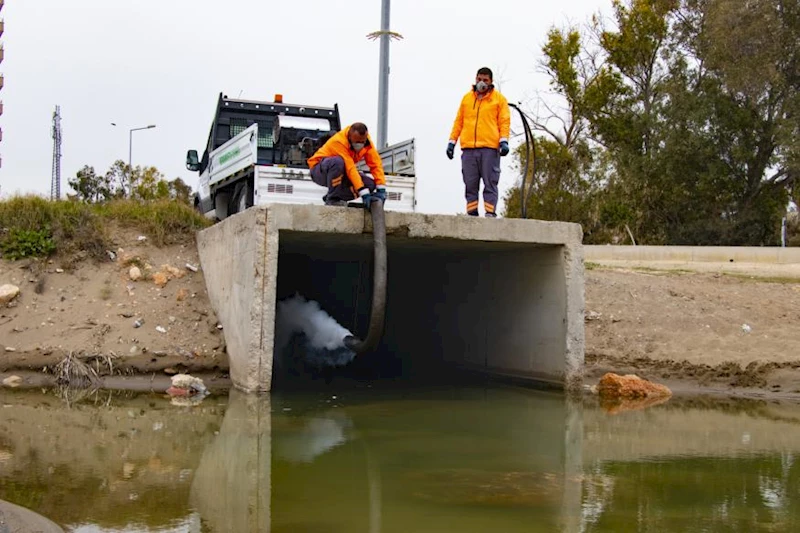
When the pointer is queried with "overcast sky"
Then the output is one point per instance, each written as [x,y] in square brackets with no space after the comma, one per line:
[164,62]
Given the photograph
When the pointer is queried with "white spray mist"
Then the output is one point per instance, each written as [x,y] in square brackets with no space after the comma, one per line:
[323,337]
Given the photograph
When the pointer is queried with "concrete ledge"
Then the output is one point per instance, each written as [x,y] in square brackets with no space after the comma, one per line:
[711,254]
[493,294]
[420,226]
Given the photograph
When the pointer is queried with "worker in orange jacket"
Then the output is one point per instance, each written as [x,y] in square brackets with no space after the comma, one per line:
[482,125]
[334,166]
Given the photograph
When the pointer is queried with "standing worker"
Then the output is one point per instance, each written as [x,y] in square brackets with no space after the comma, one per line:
[482,123]
[334,166]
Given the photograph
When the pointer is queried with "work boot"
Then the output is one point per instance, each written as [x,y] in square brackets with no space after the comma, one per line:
[336,203]
[490,215]
[472,213]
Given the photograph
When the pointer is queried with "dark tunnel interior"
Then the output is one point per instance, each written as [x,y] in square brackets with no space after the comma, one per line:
[450,303]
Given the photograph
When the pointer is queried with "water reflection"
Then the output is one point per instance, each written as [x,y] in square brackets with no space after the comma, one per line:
[313,437]
[461,459]
[231,489]
[108,459]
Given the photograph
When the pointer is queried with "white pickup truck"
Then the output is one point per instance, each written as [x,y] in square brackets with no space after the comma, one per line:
[257,151]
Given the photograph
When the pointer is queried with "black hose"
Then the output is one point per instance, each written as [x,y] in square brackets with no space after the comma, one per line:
[530,158]
[378,311]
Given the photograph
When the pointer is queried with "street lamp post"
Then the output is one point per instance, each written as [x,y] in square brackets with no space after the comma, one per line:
[130,141]
[385,35]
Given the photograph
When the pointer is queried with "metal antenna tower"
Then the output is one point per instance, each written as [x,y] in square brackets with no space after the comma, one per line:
[385,35]
[55,183]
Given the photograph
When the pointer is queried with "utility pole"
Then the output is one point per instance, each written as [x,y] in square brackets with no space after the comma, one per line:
[55,181]
[385,35]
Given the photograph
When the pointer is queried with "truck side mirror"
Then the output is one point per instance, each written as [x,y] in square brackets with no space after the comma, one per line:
[192,161]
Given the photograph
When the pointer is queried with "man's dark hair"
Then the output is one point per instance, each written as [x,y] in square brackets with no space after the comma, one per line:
[487,71]
[359,127]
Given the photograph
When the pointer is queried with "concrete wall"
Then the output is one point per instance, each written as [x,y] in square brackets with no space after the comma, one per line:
[233,255]
[499,296]
[715,254]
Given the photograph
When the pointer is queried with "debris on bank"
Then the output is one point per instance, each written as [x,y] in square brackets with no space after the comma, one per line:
[186,387]
[12,381]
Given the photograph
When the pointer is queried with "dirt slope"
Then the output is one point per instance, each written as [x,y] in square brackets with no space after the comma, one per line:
[94,308]
[701,329]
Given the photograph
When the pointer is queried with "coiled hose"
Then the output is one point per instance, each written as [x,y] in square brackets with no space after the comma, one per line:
[378,311]
[530,158]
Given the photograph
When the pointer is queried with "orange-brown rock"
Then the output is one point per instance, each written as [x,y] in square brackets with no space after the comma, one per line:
[630,387]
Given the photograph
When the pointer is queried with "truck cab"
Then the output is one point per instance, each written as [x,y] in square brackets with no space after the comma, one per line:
[257,154]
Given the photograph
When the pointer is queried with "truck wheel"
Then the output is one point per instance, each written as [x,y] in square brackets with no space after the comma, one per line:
[221,201]
[242,197]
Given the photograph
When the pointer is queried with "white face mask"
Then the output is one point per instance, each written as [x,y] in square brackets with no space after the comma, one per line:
[481,86]
[357,146]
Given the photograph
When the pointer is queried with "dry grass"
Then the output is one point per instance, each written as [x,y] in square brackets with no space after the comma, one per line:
[71,371]
[163,221]
[85,370]
[136,261]
[76,229]
[104,364]
[786,280]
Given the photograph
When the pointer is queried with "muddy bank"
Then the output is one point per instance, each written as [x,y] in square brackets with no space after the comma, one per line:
[144,310]
[695,331]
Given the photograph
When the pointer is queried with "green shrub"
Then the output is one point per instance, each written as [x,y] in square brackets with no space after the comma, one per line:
[22,243]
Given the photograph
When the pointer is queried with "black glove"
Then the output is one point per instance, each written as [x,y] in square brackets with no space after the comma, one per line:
[503,148]
[451,148]
[365,196]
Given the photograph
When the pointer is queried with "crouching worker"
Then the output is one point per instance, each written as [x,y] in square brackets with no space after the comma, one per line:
[334,166]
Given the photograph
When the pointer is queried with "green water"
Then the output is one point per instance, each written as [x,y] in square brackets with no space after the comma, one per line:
[461,459]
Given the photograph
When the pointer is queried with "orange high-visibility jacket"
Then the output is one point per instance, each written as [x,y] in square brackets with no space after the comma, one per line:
[482,122]
[340,145]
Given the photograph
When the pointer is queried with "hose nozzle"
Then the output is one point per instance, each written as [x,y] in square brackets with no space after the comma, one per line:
[352,342]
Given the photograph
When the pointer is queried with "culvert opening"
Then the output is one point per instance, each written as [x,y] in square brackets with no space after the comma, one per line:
[452,305]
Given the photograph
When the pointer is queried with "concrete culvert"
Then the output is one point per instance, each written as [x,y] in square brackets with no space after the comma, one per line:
[502,297]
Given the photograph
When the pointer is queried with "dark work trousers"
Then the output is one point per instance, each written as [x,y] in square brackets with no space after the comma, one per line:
[330,173]
[481,164]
